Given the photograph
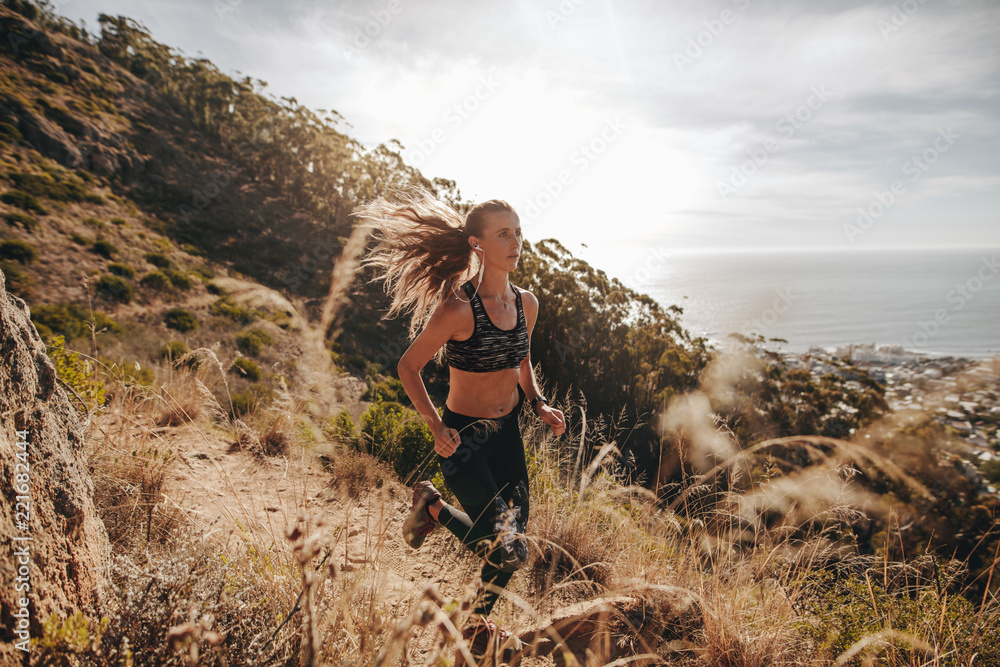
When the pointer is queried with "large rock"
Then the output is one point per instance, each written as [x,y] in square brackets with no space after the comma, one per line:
[48,138]
[68,548]
[24,39]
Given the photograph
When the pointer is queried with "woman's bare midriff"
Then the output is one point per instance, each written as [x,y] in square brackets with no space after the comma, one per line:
[489,395]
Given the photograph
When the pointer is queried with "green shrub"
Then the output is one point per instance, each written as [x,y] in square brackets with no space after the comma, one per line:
[76,372]
[123,270]
[991,470]
[250,400]
[68,187]
[244,402]
[69,320]
[130,372]
[280,318]
[44,332]
[388,389]
[115,288]
[23,200]
[17,250]
[252,341]
[158,259]
[105,249]
[26,221]
[843,607]
[8,130]
[80,240]
[397,435]
[157,225]
[247,368]
[340,427]
[18,282]
[77,635]
[242,314]
[178,279]
[205,273]
[25,8]
[357,361]
[58,77]
[180,320]
[94,222]
[119,221]
[155,280]
[173,350]
[216,289]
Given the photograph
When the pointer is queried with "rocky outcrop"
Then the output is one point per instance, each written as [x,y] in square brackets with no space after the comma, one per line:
[48,138]
[23,38]
[55,552]
[74,140]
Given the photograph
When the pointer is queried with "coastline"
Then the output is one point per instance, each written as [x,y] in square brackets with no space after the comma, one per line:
[960,393]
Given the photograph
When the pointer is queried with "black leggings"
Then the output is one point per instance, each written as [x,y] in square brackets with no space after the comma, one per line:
[489,477]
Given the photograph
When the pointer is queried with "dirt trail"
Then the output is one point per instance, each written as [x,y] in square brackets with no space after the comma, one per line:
[219,488]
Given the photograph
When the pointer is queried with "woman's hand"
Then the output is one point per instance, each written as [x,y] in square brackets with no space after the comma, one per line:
[446,441]
[554,418]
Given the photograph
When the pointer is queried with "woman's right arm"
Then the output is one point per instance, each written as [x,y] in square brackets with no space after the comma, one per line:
[443,323]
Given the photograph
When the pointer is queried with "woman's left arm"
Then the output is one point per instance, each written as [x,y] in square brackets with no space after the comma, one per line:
[526,374]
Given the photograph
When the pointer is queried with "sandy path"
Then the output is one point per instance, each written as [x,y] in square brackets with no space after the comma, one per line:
[219,488]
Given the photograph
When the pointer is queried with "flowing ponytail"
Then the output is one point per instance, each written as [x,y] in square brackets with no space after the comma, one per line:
[423,248]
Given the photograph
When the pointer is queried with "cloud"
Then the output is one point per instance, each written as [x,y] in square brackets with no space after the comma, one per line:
[704,86]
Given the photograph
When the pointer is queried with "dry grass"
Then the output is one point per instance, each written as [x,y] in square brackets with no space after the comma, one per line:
[357,473]
[737,588]
[769,561]
[128,485]
[181,402]
[188,597]
[735,573]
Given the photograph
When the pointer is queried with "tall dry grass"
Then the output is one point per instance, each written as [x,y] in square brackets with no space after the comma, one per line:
[760,575]
[726,568]
[771,560]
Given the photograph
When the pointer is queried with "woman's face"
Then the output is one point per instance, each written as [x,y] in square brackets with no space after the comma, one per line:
[501,239]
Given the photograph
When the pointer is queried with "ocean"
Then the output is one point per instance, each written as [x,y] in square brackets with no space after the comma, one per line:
[936,302]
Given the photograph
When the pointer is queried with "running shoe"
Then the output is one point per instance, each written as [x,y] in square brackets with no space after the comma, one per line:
[420,523]
[481,634]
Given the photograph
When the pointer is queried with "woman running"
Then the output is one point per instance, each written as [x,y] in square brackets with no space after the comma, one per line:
[425,253]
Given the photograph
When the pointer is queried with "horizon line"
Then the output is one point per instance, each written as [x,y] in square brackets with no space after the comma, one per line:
[789,249]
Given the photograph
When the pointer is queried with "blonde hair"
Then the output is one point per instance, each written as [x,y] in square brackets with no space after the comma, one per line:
[423,248]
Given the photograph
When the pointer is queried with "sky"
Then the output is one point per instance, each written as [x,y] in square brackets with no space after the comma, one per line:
[621,124]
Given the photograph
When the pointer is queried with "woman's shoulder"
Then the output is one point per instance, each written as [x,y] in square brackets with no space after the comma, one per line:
[523,292]
[528,300]
[455,300]
[453,313]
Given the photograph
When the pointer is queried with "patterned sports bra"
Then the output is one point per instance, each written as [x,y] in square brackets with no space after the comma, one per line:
[489,348]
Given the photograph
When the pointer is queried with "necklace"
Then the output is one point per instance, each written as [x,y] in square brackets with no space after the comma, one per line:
[506,297]
[505,300]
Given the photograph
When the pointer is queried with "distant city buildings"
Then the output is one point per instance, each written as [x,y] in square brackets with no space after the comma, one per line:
[961,394]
